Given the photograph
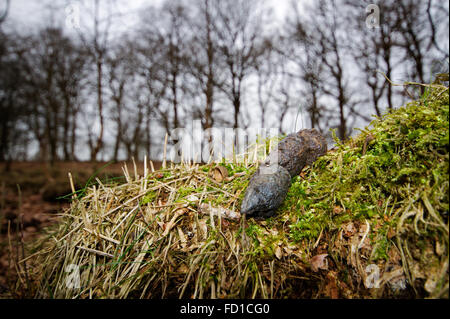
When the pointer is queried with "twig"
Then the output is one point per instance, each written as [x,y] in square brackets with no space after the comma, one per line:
[165,151]
[437,86]
[126,203]
[102,236]
[365,235]
[94,251]
[126,217]
[152,166]
[74,194]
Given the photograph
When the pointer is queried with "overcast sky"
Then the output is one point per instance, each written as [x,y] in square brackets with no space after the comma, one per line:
[25,15]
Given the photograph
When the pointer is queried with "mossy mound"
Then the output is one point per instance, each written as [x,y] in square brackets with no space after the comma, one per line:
[367,220]
[382,199]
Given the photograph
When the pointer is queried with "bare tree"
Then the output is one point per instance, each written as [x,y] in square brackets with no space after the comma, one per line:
[96,38]
[203,60]
[154,86]
[284,98]
[239,26]
[301,50]
[403,41]
[122,70]
[375,51]
[266,71]
[203,66]
[322,35]
[418,36]
[220,62]
[169,31]
[70,82]
[50,68]
[13,100]
[439,18]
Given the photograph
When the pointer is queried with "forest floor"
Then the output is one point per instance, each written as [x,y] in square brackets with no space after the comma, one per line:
[32,193]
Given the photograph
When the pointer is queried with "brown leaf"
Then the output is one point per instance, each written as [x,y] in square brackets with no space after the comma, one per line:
[225,223]
[278,252]
[161,224]
[430,283]
[319,262]
[183,240]
[394,256]
[337,210]
[203,230]
[417,271]
[168,226]
[219,173]
[183,269]
[230,178]
[391,233]
[440,249]
[369,138]
[349,230]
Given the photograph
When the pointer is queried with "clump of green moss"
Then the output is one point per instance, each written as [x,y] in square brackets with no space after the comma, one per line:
[234,168]
[149,197]
[394,176]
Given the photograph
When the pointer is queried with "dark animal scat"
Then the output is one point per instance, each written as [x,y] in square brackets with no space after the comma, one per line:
[268,187]
[266,191]
[297,150]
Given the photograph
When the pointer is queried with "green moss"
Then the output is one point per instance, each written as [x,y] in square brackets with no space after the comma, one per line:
[382,245]
[398,156]
[206,168]
[262,244]
[253,230]
[235,168]
[149,197]
[218,200]
[308,226]
[184,191]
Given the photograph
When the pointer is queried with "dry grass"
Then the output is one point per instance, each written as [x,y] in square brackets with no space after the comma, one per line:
[160,235]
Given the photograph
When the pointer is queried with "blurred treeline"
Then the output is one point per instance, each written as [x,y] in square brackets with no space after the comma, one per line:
[111,92]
